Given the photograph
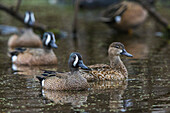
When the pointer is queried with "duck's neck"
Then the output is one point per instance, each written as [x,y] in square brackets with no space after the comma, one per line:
[47,49]
[117,64]
[74,70]
[76,74]
[29,30]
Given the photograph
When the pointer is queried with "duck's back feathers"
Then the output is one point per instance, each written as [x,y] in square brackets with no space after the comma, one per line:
[34,56]
[102,72]
[112,12]
[124,16]
[27,39]
[63,81]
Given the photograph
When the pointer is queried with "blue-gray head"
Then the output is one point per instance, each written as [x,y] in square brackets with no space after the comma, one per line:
[75,61]
[29,18]
[49,40]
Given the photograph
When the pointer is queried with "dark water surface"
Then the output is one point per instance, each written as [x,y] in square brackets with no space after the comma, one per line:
[146,90]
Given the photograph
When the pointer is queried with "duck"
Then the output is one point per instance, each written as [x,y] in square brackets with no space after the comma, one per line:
[72,80]
[36,56]
[28,38]
[124,16]
[115,71]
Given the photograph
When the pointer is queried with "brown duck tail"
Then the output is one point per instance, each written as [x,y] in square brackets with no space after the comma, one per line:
[17,51]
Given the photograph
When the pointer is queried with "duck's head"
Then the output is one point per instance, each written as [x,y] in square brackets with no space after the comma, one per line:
[75,61]
[117,49]
[29,18]
[49,40]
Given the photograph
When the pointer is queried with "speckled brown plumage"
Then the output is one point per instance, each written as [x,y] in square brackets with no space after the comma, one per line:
[132,14]
[39,56]
[103,72]
[27,39]
[115,71]
[66,81]
[69,80]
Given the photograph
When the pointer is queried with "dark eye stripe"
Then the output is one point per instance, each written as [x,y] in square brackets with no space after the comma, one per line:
[117,46]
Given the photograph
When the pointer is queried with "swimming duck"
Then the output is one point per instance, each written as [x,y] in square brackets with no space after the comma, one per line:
[28,38]
[116,70]
[69,80]
[36,56]
[124,16]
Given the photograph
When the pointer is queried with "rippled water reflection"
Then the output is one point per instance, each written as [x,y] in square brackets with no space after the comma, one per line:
[146,90]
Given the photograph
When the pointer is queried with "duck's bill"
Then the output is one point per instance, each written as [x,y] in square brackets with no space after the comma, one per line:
[124,52]
[83,66]
[53,45]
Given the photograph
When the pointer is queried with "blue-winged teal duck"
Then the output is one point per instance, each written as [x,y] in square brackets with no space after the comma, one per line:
[116,70]
[28,38]
[36,56]
[124,16]
[69,80]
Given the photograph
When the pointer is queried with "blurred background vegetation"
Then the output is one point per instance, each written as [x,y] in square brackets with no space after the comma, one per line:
[59,14]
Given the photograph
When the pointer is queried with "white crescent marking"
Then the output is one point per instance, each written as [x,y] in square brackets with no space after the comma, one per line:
[26,18]
[14,58]
[53,37]
[32,17]
[43,82]
[76,61]
[48,39]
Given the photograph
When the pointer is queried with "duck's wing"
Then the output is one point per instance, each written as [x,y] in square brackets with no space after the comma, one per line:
[114,10]
[51,75]
[54,81]
[97,66]
[32,51]
[91,75]
[36,51]
[104,72]
[61,75]
[15,52]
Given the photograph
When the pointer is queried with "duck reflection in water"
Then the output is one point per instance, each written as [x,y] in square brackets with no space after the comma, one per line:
[112,93]
[76,99]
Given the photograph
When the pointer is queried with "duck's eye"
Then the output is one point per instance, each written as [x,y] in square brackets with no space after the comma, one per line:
[116,46]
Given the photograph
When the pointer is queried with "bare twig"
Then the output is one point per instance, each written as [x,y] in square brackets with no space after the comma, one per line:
[21,19]
[18,5]
[75,21]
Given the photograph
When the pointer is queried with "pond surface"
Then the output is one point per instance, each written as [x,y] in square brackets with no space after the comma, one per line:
[146,90]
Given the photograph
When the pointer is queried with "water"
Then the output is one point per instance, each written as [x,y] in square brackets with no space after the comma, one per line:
[146,90]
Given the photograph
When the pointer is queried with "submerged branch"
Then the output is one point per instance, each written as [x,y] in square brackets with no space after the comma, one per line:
[21,19]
